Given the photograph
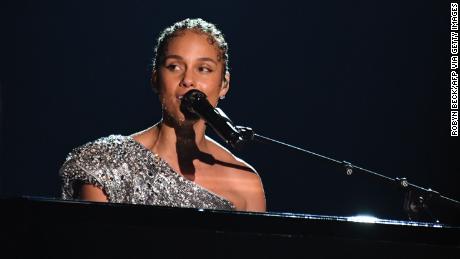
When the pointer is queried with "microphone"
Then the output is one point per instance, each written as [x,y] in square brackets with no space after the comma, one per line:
[196,102]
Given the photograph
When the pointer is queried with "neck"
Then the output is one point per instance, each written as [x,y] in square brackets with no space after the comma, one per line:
[180,145]
[188,135]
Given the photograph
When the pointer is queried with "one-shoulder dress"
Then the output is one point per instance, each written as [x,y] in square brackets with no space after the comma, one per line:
[127,172]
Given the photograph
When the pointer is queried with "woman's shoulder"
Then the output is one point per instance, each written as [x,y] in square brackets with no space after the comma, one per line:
[103,147]
[235,168]
[243,179]
[101,155]
[100,163]
[222,154]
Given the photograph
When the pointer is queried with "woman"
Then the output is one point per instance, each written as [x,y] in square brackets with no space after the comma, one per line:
[171,163]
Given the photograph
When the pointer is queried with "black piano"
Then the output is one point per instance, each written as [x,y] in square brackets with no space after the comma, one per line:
[49,228]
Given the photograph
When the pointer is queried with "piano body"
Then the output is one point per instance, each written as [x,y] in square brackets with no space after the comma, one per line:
[34,227]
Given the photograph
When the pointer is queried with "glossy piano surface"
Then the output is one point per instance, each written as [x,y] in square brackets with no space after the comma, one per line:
[52,228]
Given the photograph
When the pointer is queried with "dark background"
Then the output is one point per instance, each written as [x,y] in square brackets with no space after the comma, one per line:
[362,81]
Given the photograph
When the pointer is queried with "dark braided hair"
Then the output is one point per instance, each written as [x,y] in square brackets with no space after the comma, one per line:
[215,37]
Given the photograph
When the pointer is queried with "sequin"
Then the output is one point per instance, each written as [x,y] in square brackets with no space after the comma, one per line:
[129,173]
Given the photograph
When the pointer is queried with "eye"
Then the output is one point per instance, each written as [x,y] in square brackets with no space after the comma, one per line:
[173,67]
[204,69]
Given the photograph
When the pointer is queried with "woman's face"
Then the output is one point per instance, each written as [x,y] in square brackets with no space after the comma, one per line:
[190,62]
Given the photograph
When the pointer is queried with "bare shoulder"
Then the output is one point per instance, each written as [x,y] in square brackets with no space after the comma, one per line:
[224,155]
[244,179]
[147,137]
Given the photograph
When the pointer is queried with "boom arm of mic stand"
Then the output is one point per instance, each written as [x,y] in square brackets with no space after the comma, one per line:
[415,198]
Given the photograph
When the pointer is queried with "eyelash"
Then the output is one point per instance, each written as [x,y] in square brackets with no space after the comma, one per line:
[208,69]
[172,67]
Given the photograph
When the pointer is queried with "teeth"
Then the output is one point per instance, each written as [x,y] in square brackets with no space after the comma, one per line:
[180,97]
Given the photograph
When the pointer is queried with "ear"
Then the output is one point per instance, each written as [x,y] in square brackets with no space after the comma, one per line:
[154,81]
[225,85]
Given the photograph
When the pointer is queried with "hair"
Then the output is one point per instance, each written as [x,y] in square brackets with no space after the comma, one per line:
[215,37]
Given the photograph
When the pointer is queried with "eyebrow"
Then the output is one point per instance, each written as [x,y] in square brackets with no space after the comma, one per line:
[200,59]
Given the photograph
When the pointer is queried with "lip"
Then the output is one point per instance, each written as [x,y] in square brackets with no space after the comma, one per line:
[180,95]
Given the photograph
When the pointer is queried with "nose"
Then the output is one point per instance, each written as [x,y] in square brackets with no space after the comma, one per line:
[187,79]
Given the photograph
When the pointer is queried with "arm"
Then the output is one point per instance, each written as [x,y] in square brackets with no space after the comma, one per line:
[255,195]
[89,192]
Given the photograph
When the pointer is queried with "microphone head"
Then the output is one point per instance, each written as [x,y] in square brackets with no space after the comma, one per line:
[192,98]
[195,102]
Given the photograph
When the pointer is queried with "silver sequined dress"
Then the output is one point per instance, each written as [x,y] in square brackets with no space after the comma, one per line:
[129,173]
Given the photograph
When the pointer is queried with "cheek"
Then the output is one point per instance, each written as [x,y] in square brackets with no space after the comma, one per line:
[165,96]
[167,80]
[166,99]
[213,98]
[165,89]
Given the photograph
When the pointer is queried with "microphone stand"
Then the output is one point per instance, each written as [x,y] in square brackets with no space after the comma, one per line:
[416,198]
